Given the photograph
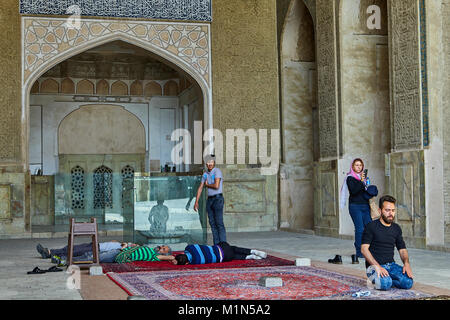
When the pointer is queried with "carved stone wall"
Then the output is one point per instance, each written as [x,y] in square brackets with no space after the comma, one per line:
[405,75]
[244,59]
[326,218]
[196,10]
[10,129]
[407,185]
[245,86]
[327,78]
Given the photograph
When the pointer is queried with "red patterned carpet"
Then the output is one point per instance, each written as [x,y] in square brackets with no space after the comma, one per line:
[139,266]
[242,283]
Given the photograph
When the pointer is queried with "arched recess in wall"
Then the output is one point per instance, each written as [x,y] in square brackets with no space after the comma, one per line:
[49,86]
[100,32]
[153,89]
[298,119]
[101,129]
[67,86]
[119,88]
[136,88]
[171,88]
[85,87]
[102,87]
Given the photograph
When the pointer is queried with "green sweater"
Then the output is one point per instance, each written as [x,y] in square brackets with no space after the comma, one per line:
[138,253]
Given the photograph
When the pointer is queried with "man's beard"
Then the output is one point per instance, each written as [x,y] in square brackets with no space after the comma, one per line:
[386,219]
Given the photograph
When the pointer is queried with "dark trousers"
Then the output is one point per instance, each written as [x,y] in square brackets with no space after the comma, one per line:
[233,252]
[214,207]
[78,250]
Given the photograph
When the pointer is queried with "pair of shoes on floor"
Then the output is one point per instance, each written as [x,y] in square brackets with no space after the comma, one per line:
[258,253]
[44,252]
[37,270]
[336,260]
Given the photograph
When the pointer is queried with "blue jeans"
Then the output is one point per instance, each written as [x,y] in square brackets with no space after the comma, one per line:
[214,207]
[103,256]
[360,214]
[396,277]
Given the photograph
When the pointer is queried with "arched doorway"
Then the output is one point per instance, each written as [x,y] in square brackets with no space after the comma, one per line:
[299,119]
[71,72]
[183,46]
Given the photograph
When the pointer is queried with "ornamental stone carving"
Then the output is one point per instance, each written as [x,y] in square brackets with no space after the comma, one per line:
[327,78]
[405,75]
[9,83]
[47,38]
[193,10]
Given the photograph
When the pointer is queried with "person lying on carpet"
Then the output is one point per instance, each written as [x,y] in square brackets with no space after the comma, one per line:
[81,249]
[83,252]
[144,253]
[222,252]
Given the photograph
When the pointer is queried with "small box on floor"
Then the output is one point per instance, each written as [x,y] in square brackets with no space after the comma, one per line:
[270,282]
[96,271]
[303,262]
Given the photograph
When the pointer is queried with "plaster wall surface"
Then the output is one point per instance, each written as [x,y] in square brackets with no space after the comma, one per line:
[434,154]
[246,95]
[55,110]
[445,65]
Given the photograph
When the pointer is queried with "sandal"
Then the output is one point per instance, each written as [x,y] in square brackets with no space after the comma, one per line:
[36,271]
[54,269]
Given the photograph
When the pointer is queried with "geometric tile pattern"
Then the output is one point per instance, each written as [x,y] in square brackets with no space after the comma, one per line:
[45,38]
[192,10]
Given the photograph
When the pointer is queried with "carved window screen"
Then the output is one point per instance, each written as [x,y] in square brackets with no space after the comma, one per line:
[103,182]
[77,183]
[127,184]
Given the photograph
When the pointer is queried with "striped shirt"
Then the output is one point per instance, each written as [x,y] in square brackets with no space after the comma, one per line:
[202,254]
[138,253]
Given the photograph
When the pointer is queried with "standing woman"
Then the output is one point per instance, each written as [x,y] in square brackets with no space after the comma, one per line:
[354,187]
[358,205]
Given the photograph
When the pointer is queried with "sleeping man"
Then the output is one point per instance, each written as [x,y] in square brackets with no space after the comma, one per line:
[222,252]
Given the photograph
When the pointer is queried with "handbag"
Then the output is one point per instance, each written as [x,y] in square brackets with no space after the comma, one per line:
[374,212]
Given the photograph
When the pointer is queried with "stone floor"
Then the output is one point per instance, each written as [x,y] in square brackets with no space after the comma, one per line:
[17,256]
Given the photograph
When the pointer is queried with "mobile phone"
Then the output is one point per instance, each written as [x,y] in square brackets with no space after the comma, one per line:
[365,172]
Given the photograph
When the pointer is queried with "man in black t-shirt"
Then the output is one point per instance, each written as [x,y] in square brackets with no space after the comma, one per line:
[378,241]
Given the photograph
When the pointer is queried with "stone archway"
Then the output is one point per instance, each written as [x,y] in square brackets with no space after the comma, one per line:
[48,41]
[298,109]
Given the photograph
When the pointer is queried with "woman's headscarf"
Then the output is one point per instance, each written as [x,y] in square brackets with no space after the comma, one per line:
[344,188]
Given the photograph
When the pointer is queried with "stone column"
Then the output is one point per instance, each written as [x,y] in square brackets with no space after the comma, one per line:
[14,179]
[416,131]
[326,217]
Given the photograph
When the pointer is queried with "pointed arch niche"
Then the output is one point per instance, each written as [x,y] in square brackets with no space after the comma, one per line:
[48,42]
[299,118]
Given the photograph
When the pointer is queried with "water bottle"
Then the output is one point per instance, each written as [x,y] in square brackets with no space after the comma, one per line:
[367,181]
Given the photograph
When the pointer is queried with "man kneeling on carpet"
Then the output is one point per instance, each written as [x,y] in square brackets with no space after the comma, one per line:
[144,253]
[222,252]
[378,241]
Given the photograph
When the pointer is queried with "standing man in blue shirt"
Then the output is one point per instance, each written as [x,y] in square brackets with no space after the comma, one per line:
[212,179]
